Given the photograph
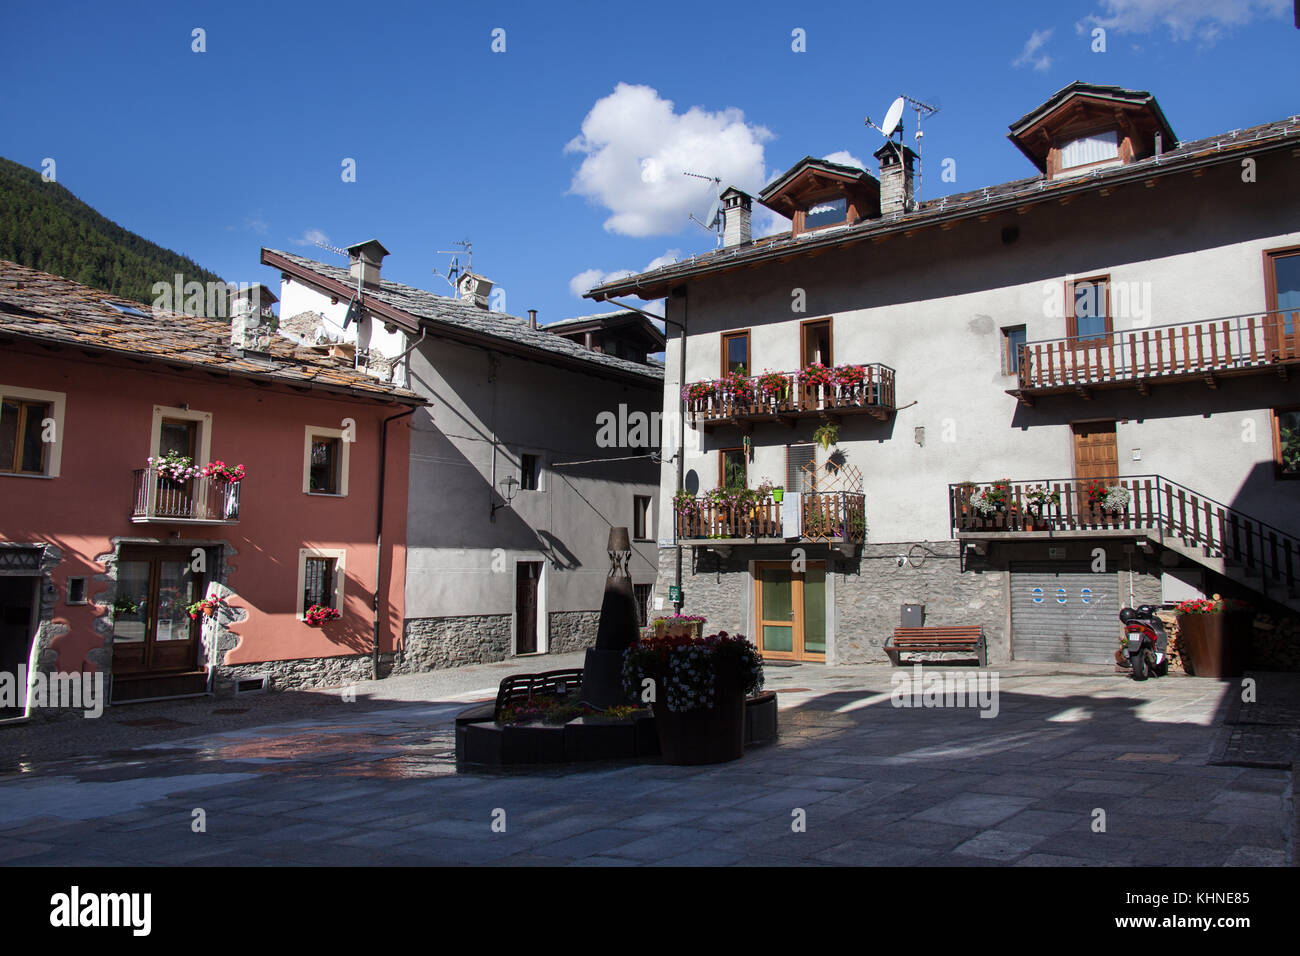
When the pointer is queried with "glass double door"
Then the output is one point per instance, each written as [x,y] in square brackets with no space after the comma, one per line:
[152,628]
[791,611]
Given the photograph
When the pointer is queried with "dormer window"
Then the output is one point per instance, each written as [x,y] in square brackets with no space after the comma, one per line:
[827,213]
[1091,149]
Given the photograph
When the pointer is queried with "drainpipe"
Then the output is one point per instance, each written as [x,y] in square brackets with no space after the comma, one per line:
[379,536]
[680,293]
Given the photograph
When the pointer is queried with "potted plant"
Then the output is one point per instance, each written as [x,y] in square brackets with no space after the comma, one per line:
[990,503]
[827,434]
[773,385]
[205,608]
[1036,499]
[778,494]
[1109,501]
[318,614]
[849,378]
[700,685]
[678,625]
[1214,636]
[738,386]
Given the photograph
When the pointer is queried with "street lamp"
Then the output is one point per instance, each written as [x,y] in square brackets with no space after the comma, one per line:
[508,489]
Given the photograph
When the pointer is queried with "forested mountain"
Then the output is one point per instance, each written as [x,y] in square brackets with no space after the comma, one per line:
[44,226]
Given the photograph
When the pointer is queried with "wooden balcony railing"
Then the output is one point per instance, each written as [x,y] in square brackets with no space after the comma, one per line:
[826,516]
[1156,504]
[198,500]
[1231,345]
[749,401]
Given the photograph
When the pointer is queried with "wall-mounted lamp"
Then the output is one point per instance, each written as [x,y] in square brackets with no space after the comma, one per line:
[508,489]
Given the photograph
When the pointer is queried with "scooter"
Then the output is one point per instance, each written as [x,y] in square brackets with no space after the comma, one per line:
[1144,643]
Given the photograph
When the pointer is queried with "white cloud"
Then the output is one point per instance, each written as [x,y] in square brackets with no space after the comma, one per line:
[636,147]
[1032,54]
[590,278]
[1204,20]
[310,237]
[845,158]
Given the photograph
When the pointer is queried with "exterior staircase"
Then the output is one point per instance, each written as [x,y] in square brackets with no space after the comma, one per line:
[1238,546]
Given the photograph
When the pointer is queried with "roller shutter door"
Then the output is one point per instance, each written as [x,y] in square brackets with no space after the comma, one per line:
[1064,612]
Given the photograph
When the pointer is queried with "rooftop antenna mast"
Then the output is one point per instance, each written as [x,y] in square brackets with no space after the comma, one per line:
[922,110]
[713,218]
[453,271]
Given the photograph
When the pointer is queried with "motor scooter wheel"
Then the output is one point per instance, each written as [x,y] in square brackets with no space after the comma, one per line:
[1140,667]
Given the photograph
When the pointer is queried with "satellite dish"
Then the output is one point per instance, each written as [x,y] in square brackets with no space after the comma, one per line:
[893,116]
[711,220]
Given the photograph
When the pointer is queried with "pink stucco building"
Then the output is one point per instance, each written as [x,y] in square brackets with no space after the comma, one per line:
[102,555]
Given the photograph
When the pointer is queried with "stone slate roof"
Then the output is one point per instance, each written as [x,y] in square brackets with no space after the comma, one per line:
[38,306]
[1031,190]
[445,311]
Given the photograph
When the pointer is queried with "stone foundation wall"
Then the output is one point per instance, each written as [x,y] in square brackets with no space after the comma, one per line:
[572,631]
[431,643]
[869,588]
[296,674]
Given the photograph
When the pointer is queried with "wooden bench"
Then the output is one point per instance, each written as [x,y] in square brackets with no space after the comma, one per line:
[967,639]
[521,688]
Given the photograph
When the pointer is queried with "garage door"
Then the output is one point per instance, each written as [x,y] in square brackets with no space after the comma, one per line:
[1064,612]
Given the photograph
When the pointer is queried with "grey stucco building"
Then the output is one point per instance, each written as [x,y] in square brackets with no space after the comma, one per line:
[1128,318]
[515,476]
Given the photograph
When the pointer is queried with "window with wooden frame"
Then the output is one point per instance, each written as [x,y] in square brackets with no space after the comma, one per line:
[325,461]
[735,352]
[732,472]
[1013,337]
[320,579]
[641,517]
[1087,310]
[23,433]
[800,465]
[1282,283]
[31,431]
[1286,442]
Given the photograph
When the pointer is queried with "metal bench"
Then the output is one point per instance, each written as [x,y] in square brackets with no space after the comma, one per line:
[966,639]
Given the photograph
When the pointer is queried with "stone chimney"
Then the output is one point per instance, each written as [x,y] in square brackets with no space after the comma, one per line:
[474,288]
[896,178]
[736,209]
[252,320]
[365,260]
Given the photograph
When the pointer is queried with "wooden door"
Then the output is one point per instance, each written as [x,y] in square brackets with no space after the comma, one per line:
[1282,325]
[790,611]
[1096,457]
[152,629]
[18,602]
[527,576]
[815,349]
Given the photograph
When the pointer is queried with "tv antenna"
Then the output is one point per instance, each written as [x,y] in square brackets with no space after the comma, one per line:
[712,220]
[454,270]
[893,123]
[328,248]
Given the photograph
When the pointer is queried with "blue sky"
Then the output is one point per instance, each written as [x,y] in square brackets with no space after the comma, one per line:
[560,158]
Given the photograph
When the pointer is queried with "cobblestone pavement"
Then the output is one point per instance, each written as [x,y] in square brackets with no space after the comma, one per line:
[375,783]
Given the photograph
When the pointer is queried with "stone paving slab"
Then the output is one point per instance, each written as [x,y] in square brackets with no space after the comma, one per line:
[375,784]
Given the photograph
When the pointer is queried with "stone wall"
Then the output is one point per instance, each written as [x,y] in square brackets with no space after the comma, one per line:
[869,589]
[430,643]
[296,674]
[572,631]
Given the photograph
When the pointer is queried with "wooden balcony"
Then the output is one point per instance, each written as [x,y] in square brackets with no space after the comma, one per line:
[832,517]
[159,500]
[1139,358]
[1206,530]
[749,402]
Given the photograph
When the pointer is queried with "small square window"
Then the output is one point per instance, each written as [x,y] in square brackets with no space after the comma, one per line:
[325,463]
[318,583]
[642,594]
[529,472]
[1012,339]
[77,590]
[641,517]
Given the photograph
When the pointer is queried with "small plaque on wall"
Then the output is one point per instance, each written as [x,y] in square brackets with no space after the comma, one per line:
[1056,554]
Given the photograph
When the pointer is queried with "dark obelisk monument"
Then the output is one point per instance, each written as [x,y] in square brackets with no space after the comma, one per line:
[602,673]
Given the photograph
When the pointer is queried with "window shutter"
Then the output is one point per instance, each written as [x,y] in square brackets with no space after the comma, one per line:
[797,459]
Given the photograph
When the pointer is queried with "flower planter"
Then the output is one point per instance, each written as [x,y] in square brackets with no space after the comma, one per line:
[1215,645]
[678,629]
[778,495]
[716,735]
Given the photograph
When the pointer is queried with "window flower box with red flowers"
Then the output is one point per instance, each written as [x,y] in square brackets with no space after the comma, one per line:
[318,614]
